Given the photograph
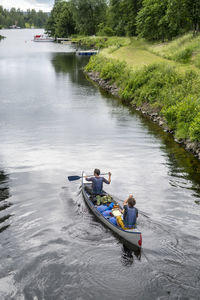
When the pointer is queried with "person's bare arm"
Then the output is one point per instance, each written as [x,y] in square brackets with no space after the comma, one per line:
[126,201]
[109,177]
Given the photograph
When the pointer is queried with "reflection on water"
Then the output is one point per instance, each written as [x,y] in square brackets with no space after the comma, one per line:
[127,253]
[183,167]
[4,204]
[179,160]
[70,64]
[53,124]
[4,194]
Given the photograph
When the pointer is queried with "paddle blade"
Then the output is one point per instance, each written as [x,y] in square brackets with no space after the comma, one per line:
[72,178]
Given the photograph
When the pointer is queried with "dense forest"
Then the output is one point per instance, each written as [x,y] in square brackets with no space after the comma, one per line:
[150,19]
[22,19]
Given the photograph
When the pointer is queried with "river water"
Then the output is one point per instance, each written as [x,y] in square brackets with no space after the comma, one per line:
[55,123]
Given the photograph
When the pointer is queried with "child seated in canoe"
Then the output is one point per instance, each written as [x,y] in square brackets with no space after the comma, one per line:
[130,214]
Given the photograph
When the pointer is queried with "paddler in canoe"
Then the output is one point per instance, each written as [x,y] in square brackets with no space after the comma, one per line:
[97,183]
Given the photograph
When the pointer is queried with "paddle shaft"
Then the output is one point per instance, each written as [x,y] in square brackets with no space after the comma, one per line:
[93,175]
[75,177]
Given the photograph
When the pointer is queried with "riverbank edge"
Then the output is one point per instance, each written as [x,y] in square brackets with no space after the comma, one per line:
[146,110]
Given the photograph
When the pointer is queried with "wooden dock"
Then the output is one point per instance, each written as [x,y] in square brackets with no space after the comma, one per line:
[59,40]
[66,42]
[87,52]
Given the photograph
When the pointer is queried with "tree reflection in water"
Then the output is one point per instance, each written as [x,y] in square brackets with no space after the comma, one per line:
[65,63]
[4,204]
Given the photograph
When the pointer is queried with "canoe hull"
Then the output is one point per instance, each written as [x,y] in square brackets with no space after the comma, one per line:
[133,236]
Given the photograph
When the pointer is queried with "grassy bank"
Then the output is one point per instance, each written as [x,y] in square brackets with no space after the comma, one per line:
[185,49]
[147,75]
[101,42]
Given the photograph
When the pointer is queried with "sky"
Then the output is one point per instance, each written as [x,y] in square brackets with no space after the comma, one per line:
[45,5]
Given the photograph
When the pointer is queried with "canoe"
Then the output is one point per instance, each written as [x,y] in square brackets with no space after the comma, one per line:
[132,236]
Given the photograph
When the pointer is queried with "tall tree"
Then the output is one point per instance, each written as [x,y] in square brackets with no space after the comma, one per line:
[17,17]
[65,24]
[54,17]
[183,15]
[193,9]
[132,8]
[88,15]
[122,16]
[178,18]
[152,22]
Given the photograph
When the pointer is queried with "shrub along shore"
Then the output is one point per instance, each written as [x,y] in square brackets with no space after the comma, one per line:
[163,81]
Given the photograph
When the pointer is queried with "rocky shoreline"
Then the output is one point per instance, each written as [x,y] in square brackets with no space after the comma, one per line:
[193,147]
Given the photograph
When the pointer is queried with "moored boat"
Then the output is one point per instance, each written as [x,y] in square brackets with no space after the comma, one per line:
[87,52]
[43,38]
[132,236]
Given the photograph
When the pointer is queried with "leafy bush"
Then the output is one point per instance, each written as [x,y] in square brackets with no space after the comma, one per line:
[194,130]
[183,55]
[152,84]
[184,119]
[112,70]
[187,110]
[136,80]
[182,49]
[197,60]
[109,69]
[95,63]
[170,115]
[100,42]
[104,30]
[168,49]
[181,115]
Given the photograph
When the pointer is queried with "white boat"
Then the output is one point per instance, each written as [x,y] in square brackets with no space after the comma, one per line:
[43,38]
[133,236]
[14,27]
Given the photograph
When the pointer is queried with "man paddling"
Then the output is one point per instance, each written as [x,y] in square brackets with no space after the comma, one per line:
[97,183]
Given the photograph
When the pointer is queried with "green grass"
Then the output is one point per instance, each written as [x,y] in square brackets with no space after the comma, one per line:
[139,53]
[101,42]
[185,49]
[183,52]
[134,57]
[146,78]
